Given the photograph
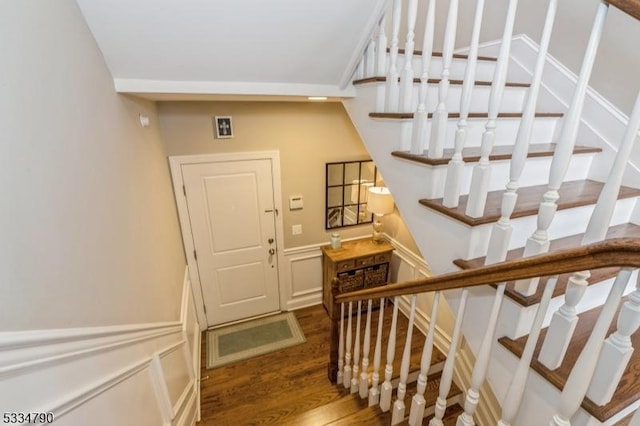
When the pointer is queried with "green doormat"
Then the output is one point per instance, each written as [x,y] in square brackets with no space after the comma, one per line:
[252,338]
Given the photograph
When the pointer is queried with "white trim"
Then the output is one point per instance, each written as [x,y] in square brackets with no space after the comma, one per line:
[157,88]
[120,353]
[22,339]
[310,297]
[70,403]
[293,260]
[186,294]
[190,410]
[175,164]
[160,388]
[185,357]
[125,339]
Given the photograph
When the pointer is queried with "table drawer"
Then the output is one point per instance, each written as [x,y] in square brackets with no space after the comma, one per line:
[365,261]
[346,265]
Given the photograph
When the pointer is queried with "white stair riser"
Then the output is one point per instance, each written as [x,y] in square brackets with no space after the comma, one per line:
[484,69]
[506,129]
[536,172]
[512,100]
[568,222]
[521,318]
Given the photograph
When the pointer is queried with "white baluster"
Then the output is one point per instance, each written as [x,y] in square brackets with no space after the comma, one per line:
[340,376]
[416,413]
[370,58]
[481,172]
[356,352]
[393,87]
[418,133]
[616,351]
[347,356]
[482,362]
[512,402]
[501,232]
[580,376]
[446,378]
[455,168]
[364,374]
[539,241]
[564,320]
[398,406]
[441,115]
[381,49]
[406,81]
[374,392]
[387,387]
[360,70]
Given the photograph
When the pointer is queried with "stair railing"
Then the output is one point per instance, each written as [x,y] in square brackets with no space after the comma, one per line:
[501,231]
[564,320]
[624,253]
[539,240]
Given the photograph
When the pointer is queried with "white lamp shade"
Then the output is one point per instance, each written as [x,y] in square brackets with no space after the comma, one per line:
[380,201]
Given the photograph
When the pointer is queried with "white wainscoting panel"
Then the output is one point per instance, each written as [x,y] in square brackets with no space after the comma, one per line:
[104,375]
[116,403]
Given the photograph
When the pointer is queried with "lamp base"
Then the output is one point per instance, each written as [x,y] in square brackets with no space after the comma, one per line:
[378,234]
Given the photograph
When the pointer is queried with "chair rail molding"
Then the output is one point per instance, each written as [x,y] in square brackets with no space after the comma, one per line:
[96,367]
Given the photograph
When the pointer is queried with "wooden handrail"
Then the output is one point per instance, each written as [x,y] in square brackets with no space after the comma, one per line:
[609,253]
[630,7]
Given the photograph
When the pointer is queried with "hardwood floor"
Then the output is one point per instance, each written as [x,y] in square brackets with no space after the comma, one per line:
[276,388]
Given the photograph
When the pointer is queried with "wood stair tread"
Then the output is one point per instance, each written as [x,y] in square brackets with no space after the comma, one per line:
[351,409]
[499,152]
[572,194]
[457,82]
[628,390]
[409,115]
[619,231]
[455,55]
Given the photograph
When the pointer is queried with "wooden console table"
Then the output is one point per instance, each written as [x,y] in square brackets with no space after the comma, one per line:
[357,264]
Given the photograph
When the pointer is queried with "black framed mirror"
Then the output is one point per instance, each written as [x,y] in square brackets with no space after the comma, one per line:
[347,183]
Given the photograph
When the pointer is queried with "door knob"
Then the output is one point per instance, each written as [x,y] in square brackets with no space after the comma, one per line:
[272,252]
[270,240]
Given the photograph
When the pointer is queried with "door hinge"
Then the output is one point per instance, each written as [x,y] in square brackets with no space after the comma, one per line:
[205,309]
[195,255]
[184,190]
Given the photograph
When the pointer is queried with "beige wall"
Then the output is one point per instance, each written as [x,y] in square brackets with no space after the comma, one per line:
[307,135]
[88,223]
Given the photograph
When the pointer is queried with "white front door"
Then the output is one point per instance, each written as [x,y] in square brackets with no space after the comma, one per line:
[232,215]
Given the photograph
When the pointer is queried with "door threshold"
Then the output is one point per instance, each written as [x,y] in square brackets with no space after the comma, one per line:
[213,327]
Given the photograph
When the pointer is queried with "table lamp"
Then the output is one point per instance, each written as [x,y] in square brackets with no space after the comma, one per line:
[379,203]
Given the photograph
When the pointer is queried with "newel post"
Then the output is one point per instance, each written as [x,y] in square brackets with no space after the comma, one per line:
[334,315]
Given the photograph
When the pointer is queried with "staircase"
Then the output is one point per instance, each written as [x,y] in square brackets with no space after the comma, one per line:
[481,177]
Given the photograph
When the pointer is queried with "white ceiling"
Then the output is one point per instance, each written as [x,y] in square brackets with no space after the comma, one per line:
[231,47]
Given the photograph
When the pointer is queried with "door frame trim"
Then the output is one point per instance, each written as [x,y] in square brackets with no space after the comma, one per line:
[175,164]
